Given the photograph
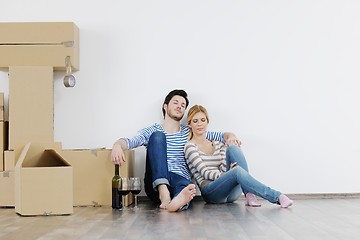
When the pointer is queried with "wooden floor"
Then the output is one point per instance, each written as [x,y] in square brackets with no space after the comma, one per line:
[308,219]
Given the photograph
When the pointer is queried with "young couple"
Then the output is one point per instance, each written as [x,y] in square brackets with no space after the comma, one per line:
[214,158]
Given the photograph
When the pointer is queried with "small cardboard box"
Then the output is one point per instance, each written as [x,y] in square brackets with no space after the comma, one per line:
[2,107]
[93,171]
[7,188]
[39,44]
[43,181]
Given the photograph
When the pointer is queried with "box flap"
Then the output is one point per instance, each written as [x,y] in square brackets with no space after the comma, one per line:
[22,157]
[50,158]
[41,155]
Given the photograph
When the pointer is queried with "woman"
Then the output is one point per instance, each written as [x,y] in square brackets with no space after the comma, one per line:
[222,174]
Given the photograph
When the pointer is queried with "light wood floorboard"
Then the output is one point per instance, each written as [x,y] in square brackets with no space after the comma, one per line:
[308,219]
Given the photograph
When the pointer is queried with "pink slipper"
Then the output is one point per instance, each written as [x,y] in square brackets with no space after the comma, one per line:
[251,200]
[285,201]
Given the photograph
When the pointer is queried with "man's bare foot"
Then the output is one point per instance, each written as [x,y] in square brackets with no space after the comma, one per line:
[164,196]
[185,196]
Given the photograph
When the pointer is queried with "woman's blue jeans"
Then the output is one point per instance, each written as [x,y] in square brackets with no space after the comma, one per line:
[228,187]
[157,172]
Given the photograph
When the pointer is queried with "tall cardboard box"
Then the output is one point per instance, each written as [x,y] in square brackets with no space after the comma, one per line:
[2,131]
[2,107]
[7,188]
[31,106]
[2,144]
[43,181]
[93,172]
[39,44]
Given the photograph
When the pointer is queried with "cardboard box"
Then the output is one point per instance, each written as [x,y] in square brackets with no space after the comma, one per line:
[9,160]
[2,107]
[93,172]
[43,181]
[2,144]
[31,106]
[7,188]
[39,44]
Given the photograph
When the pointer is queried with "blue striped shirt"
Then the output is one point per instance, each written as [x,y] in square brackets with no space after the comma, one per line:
[175,145]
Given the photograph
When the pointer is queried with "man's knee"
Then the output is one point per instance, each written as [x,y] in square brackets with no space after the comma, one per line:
[157,137]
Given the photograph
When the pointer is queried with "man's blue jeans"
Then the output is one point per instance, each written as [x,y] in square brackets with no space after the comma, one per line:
[157,172]
[228,187]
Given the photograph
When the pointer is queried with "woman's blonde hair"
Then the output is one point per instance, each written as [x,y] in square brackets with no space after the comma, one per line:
[191,113]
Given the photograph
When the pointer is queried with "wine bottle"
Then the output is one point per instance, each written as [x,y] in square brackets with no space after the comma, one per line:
[116,197]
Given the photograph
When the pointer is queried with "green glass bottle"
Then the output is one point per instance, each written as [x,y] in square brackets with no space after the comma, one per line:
[116,197]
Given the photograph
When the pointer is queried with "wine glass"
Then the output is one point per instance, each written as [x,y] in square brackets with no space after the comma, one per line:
[124,189]
[135,188]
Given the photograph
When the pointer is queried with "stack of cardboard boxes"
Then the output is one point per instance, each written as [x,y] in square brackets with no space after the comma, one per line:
[37,176]
[7,179]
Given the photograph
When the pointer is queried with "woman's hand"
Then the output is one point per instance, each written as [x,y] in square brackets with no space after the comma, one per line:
[232,165]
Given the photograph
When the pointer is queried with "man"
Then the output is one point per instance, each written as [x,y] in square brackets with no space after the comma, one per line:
[167,177]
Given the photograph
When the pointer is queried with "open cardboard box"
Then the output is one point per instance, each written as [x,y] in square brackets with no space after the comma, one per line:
[43,181]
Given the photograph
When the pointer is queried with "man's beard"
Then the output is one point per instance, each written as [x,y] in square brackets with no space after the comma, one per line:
[176,118]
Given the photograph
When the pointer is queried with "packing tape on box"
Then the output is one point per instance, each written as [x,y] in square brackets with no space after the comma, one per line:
[96,150]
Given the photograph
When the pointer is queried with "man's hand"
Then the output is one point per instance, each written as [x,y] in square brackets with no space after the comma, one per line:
[231,139]
[117,153]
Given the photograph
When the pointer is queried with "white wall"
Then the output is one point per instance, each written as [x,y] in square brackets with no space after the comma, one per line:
[282,75]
